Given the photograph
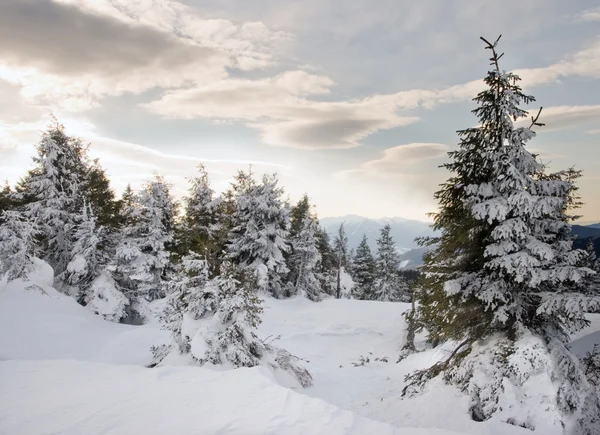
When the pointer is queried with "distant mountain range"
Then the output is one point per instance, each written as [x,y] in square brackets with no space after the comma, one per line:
[404,232]
[587,234]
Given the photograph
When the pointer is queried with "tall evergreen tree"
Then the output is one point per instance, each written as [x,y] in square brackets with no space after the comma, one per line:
[201,224]
[389,285]
[503,267]
[305,254]
[142,256]
[52,194]
[86,258]
[100,196]
[340,249]
[326,271]
[363,271]
[258,239]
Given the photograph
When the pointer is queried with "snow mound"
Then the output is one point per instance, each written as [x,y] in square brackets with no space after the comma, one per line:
[95,398]
[105,299]
[41,323]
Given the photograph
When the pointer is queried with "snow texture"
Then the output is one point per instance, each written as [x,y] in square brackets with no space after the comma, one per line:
[65,370]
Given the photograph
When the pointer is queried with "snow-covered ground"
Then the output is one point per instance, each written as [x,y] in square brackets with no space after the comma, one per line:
[64,370]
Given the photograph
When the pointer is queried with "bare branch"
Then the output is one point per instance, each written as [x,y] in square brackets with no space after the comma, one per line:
[534,120]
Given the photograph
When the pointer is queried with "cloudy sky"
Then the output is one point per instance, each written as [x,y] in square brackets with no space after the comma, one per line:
[355,102]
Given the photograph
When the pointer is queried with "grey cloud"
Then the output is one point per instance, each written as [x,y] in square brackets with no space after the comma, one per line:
[330,131]
[326,133]
[63,39]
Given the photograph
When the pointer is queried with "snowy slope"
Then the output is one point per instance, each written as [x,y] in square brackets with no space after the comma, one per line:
[54,326]
[101,386]
[66,371]
[74,398]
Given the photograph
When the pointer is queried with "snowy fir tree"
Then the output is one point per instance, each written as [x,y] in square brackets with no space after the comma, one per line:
[17,245]
[191,298]
[363,271]
[98,194]
[340,250]
[503,280]
[389,285]
[86,256]
[200,226]
[231,338]
[7,200]
[326,267]
[258,239]
[52,194]
[305,255]
[142,257]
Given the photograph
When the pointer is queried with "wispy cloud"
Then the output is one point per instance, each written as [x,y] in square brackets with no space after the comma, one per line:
[592,14]
[399,161]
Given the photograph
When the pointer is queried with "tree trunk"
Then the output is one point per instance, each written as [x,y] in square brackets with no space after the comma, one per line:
[410,329]
[339,279]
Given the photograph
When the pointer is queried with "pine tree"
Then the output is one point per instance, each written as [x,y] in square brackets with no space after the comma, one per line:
[503,268]
[326,271]
[230,310]
[142,256]
[340,249]
[52,196]
[363,271]
[305,255]
[389,285]
[258,239]
[17,245]
[234,340]
[87,259]
[100,196]
[7,201]
[201,225]
[192,297]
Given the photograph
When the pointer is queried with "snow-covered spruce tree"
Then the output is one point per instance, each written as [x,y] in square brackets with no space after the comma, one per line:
[52,196]
[200,225]
[340,249]
[363,271]
[191,298]
[86,257]
[503,280]
[305,255]
[258,239]
[214,321]
[17,245]
[7,200]
[98,194]
[389,285]
[142,256]
[87,272]
[326,272]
